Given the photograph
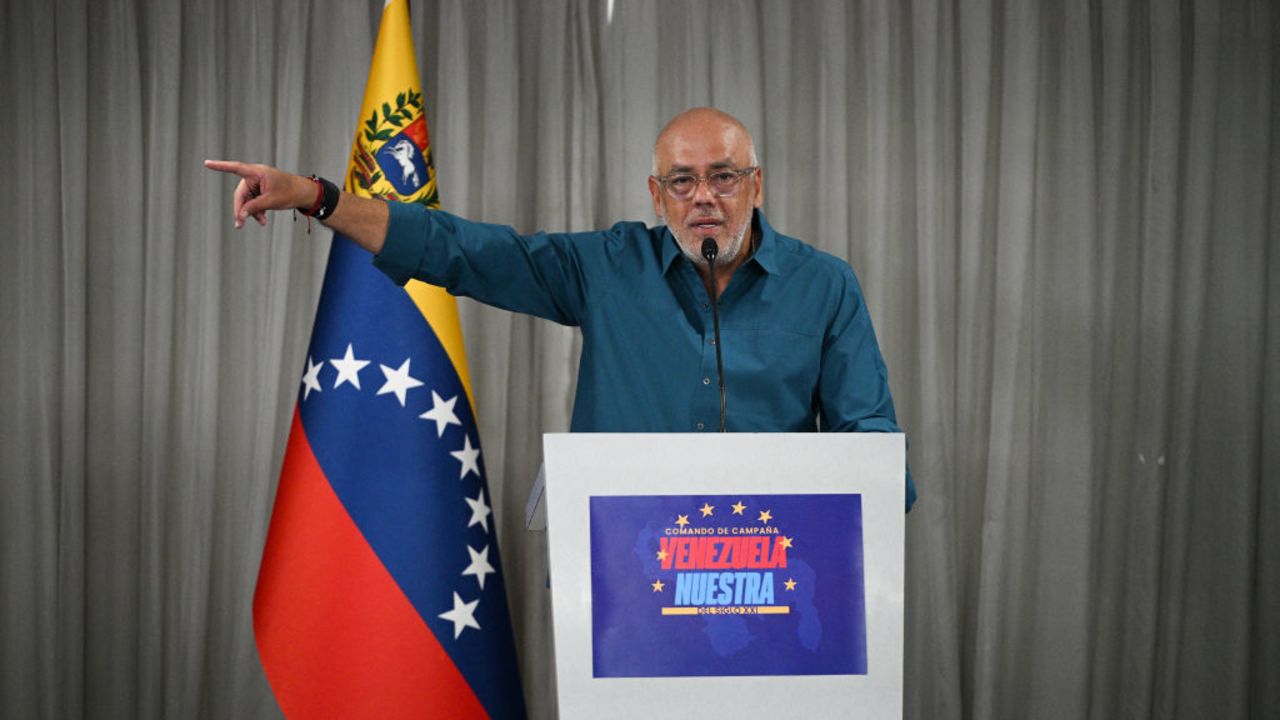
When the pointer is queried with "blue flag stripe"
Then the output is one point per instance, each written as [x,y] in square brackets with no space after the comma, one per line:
[397,477]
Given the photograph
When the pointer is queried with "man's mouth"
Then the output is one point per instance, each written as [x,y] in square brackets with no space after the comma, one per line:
[708,225]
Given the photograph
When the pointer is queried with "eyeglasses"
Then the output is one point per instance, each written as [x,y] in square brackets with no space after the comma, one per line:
[722,183]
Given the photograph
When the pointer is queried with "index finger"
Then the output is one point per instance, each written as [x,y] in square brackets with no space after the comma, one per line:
[227,166]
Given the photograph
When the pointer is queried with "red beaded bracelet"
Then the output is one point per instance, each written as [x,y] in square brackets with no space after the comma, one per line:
[315,206]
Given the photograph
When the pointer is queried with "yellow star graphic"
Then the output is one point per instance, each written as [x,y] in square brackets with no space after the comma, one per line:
[784,541]
[738,508]
[791,584]
[662,555]
[682,520]
[765,516]
[706,509]
[657,586]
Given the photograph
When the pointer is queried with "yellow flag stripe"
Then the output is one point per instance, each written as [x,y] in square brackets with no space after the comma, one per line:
[394,69]
[440,310]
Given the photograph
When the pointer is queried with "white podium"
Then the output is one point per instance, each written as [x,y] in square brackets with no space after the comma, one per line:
[713,574]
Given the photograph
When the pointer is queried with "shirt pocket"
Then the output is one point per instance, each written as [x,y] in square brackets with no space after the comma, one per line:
[772,372]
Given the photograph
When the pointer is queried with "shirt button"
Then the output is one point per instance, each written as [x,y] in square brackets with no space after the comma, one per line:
[706,381]
[712,341]
[705,306]
[701,426]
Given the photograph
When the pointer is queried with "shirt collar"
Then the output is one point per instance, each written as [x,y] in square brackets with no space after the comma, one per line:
[766,255]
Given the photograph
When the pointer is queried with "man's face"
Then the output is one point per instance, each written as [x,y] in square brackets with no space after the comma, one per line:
[698,146]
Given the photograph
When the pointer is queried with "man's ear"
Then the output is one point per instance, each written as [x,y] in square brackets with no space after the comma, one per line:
[758,200]
[655,191]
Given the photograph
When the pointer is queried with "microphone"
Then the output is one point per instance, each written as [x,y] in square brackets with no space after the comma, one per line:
[709,252]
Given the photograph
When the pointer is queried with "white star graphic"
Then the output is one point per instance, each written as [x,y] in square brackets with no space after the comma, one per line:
[348,368]
[463,615]
[311,380]
[479,511]
[442,412]
[398,381]
[469,458]
[479,565]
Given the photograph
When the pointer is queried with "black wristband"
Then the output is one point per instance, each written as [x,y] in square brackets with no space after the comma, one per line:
[328,201]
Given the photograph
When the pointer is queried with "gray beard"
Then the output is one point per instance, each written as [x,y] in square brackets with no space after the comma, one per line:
[725,254]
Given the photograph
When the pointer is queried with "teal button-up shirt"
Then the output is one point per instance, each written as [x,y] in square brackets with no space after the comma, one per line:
[798,349]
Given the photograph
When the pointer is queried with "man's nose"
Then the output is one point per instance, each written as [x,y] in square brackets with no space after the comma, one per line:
[702,192]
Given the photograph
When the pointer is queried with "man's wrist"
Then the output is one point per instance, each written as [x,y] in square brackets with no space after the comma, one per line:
[325,200]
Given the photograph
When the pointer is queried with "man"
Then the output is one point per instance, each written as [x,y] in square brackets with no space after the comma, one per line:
[799,352]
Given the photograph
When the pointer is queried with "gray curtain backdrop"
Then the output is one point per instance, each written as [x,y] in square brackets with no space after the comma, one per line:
[1063,214]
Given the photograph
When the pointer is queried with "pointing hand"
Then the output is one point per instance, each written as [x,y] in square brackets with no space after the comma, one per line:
[264,188]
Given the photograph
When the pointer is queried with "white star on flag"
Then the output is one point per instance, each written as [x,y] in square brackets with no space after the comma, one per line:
[348,368]
[479,511]
[311,380]
[479,565]
[442,413]
[398,381]
[463,615]
[468,456]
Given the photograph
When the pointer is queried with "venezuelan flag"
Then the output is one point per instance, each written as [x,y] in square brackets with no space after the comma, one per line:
[380,592]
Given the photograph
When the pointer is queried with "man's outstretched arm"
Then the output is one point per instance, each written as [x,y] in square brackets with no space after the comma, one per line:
[264,188]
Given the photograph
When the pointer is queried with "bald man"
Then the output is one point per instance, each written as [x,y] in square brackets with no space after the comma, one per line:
[798,349]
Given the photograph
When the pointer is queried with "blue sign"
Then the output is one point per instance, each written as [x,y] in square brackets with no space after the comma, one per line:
[691,585]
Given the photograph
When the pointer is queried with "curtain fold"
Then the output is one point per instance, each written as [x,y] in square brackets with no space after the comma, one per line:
[1063,216]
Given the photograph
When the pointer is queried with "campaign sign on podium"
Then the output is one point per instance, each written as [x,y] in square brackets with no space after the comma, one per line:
[723,573]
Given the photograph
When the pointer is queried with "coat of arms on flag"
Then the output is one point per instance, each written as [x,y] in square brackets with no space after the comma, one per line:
[391,157]
[380,592]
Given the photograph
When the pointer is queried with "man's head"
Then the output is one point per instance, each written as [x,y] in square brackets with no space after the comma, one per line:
[715,150]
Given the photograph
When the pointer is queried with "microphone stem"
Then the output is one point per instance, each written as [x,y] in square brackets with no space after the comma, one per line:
[715,319]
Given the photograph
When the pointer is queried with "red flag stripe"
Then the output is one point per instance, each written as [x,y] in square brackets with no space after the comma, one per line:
[336,635]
